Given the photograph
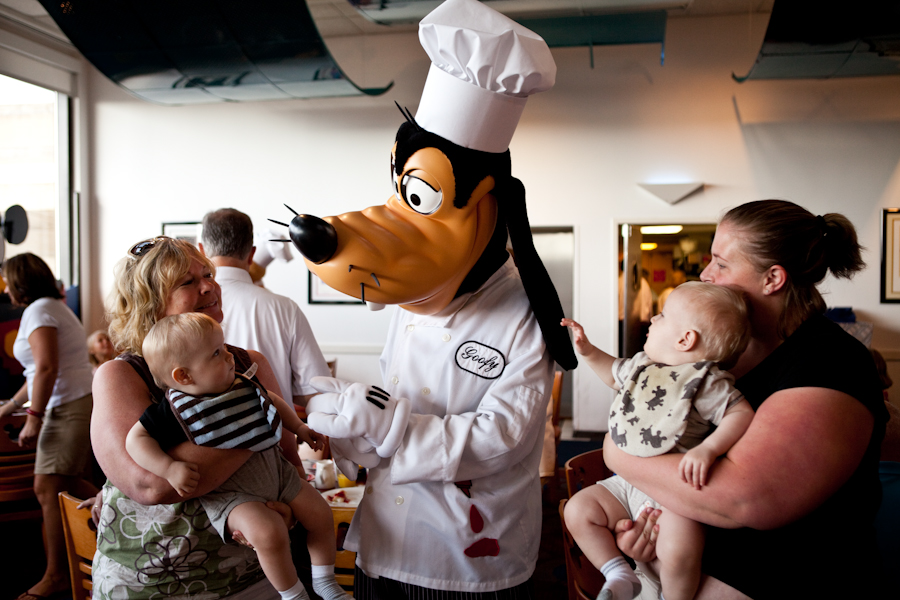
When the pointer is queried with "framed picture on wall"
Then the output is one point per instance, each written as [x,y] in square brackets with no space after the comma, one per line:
[185,230]
[890,256]
[321,293]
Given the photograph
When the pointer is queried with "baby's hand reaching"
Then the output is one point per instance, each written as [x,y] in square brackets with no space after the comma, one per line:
[696,464]
[183,476]
[315,439]
[579,338]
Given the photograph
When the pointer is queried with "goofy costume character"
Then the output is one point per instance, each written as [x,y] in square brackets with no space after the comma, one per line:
[452,435]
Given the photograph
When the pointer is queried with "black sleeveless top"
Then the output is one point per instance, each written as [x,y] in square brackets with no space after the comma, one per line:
[831,552]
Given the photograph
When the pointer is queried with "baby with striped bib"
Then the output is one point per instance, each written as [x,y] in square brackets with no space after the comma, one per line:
[208,404]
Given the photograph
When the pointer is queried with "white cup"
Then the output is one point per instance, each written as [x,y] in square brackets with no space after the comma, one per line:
[325,475]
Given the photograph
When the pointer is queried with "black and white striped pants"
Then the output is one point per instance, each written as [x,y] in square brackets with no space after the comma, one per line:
[366,588]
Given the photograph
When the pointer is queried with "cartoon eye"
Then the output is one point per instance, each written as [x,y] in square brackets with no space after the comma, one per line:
[394,188]
[420,196]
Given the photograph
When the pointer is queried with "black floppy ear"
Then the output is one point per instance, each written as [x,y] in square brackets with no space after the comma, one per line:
[538,286]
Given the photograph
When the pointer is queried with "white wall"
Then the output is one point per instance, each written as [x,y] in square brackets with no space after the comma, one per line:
[580,149]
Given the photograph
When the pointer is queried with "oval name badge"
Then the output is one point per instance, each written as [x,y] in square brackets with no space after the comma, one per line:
[480,360]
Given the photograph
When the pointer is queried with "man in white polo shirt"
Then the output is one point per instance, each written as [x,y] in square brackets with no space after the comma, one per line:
[256,318]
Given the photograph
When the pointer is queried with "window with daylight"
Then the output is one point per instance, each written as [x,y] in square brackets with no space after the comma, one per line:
[35,171]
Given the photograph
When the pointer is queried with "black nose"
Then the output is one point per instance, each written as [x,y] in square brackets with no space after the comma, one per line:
[314,238]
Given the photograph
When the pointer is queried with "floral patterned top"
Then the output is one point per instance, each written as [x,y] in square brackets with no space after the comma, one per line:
[166,550]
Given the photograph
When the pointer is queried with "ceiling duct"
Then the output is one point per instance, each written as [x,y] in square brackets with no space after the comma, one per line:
[202,51]
[395,12]
[601,30]
[562,23]
[821,39]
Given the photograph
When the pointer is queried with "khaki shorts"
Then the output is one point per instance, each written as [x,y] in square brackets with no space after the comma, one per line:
[267,475]
[64,444]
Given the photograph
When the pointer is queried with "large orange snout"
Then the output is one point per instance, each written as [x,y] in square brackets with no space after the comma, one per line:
[389,254]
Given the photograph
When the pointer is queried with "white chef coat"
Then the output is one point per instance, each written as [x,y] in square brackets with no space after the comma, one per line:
[478,376]
[261,320]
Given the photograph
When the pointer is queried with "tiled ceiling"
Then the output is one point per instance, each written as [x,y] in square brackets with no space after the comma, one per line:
[338,18]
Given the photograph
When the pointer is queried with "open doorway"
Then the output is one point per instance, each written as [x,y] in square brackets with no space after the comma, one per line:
[654,258]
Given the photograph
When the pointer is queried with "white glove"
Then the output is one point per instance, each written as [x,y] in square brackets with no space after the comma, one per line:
[349,455]
[354,410]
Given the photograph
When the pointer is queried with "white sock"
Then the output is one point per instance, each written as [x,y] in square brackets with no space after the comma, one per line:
[322,571]
[297,592]
[325,585]
[621,582]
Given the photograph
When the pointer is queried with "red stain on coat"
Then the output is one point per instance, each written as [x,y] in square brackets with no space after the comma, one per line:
[483,547]
[475,519]
[465,487]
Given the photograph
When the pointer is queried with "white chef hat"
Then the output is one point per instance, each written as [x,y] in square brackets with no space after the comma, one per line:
[483,68]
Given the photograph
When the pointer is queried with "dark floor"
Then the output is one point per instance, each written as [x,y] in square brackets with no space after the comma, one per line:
[22,563]
[550,573]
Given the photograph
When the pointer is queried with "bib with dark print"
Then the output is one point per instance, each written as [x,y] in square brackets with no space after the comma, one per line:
[649,415]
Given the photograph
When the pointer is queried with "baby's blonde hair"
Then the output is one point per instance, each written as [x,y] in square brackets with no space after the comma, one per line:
[171,342]
[142,287]
[721,318]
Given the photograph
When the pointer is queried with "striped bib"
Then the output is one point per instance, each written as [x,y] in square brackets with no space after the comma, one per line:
[243,417]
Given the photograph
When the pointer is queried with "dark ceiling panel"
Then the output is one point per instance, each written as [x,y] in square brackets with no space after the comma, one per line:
[194,51]
[598,30]
[829,38]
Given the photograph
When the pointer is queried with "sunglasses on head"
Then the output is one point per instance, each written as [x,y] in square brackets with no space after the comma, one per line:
[142,248]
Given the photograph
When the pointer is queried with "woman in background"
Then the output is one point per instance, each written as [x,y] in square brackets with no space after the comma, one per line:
[50,346]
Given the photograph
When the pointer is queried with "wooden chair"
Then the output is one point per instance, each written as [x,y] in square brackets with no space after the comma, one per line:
[11,425]
[81,543]
[555,401]
[583,579]
[345,560]
[550,483]
[584,470]
[17,499]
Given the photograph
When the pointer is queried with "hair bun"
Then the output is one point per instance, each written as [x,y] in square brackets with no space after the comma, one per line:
[843,254]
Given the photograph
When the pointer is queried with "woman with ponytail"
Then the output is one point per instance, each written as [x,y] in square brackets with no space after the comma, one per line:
[791,506]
